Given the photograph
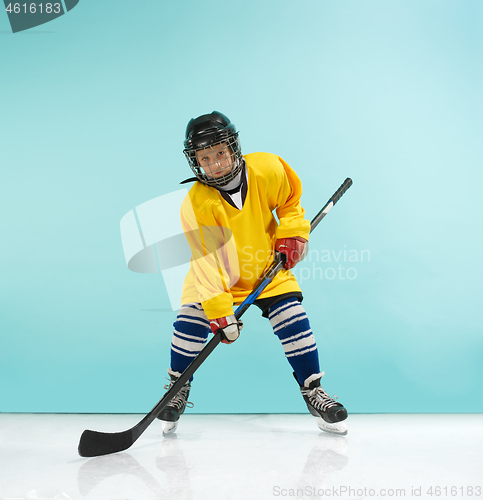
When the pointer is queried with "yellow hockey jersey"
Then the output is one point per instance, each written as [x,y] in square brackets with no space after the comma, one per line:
[230,247]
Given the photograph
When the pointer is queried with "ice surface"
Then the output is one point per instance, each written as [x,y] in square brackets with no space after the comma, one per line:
[241,457]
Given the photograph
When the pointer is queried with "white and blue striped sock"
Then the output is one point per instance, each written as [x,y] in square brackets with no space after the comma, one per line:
[191,330]
[290,323]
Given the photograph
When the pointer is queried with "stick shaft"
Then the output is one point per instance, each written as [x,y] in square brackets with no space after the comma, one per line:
[267,277]
[332,201]
[94,443]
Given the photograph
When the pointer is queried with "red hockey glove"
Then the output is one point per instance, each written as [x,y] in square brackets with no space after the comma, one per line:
[294,248]
[230,328]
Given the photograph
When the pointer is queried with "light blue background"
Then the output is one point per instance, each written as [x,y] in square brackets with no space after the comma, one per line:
[93,111]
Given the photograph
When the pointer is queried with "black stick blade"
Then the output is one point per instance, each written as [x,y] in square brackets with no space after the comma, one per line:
[94,444]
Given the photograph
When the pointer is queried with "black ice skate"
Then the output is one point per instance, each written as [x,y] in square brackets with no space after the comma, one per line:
[176,407]
[326,410]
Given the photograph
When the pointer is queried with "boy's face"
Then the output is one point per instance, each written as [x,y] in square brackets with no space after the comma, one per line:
[216,160]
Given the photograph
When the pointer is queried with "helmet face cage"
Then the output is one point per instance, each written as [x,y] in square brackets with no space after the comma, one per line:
[218,163]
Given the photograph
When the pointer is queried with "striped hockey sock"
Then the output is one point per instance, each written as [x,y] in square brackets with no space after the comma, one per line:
[191,330]
[290,323]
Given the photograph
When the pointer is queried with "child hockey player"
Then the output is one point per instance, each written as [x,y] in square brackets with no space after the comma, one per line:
[228,221]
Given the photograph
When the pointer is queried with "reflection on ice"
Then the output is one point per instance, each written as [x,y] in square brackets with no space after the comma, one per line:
[98,469]
[328,455]
[170,461]
[41,495]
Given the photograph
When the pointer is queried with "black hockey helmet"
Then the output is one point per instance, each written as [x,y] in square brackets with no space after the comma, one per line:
[213,131]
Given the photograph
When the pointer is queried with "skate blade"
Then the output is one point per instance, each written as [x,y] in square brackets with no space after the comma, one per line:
[339,428]
[169,427]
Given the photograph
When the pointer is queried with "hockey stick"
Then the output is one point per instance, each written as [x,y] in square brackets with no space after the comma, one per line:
[94,443]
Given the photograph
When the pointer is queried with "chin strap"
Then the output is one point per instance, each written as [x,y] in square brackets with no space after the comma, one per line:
[191,179]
